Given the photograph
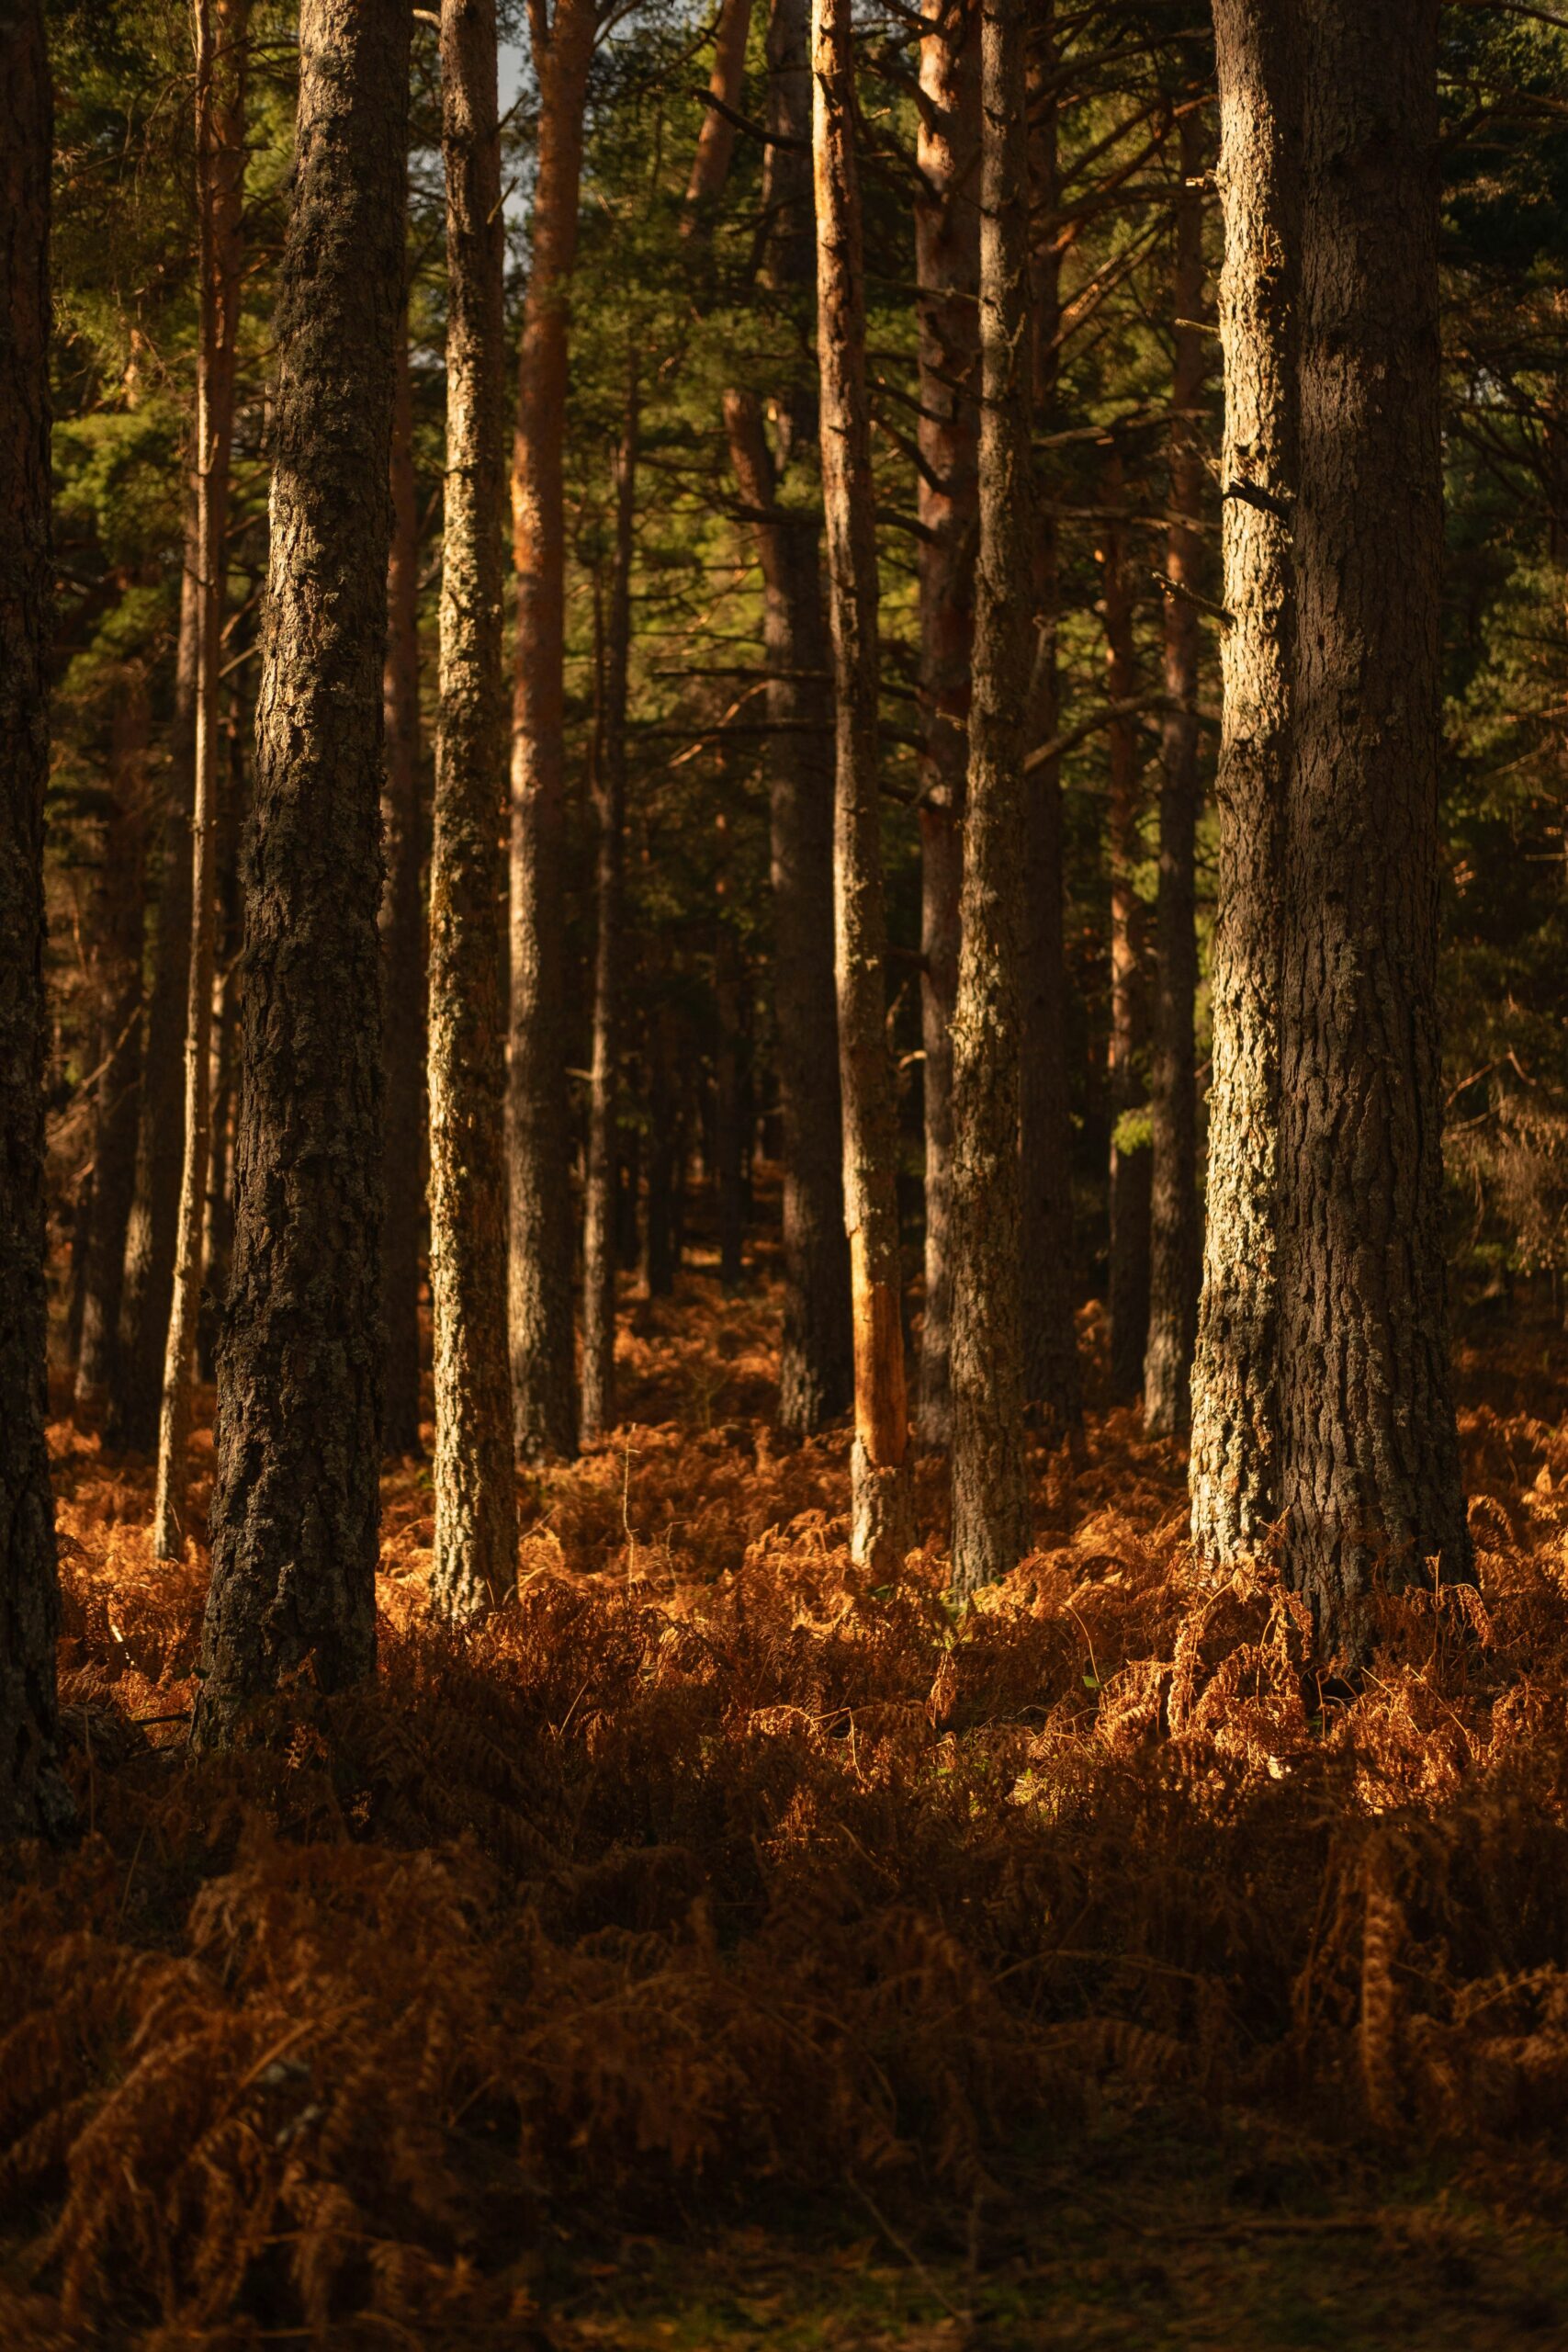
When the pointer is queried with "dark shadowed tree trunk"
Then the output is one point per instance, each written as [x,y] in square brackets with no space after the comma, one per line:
[1175,1235]
[882,1506]
[1369,1469]
[609,780]
[660,1249]
[1234,1445]
[115,952]
[475,1560]
[990,1488]
[947,265]
[402,943]
[1129,990]
[728,1094]
[33,1798]
[220,31]
[1050,1339]
[544,1371]
[295,1507]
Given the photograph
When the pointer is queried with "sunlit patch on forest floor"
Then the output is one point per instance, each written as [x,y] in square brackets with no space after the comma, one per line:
[713,1950]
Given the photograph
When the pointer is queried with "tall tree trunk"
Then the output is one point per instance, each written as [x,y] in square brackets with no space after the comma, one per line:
[598,1241]
[660,1251]
[1129,1171]
[475,1560]
[1174,1230]
[947,266]
[1235,1402]
[295,1506]
[990,1485]
[729,1118]
[120,911]
[221,26]
[815,1376]
[402,943]
[219,1242]
[1370,1470]
[716,135]
[33,1798]
[544,1374]
[881,1504]
[1050,1340]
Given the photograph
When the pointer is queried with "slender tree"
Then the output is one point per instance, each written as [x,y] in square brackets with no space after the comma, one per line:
[295,1506]
[543,1377]
[947,264]
[881,1497]
[1370,1467]
[609,779]
[475,1560]
[221,26]
[1175,1215]
[33,1798]
[402,942]
[1235,1447]
[1050,1339]
[715,137]
[1129,1173]
[990,1487]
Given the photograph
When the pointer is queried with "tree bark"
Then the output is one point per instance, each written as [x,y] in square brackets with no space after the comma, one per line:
[1234,1463]
[882,1506]
[402,943]
[729,1105]
[990,1485]
[660,1250]
[716,135]
[1175,1227]
[1050,1340]
[599,1238]
[1129,1170]
[33,1797]
[947,267]
[295,1507]
[475,1560]
[1370,1471]
[115,958]
[221,26]
[815,1376]
[544,1373]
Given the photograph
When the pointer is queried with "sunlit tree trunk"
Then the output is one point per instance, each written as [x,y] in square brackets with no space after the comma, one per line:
[402,943]
[883,1526]
[296,1503]
[1371,1484]
[33,1798]
[1235,1447]
[947,264]
[990,1488]
[1129,992]
[544,1371]
[1175,1215]
[716,135]
[475,1560]
[599,1243]
[222,29]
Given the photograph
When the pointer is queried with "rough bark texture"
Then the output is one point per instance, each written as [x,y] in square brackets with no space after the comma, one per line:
[475,1559]
[136,1396]
[990,1487]
[32,1795]
[715,137]
[402,943]
[815,1376]
[947,267]
[1129,1170]
[544,1373]
[220,31]
[295,1505]
[1050,1340]
[1369,1468]
[882,1509]
[1175,1219]
[115,949]
[598,1241]
[1234,1446]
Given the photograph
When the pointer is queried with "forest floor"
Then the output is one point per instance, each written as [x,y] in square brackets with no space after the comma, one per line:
[713,1950]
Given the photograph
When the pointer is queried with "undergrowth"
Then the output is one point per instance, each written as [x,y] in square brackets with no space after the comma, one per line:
[706,1882]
